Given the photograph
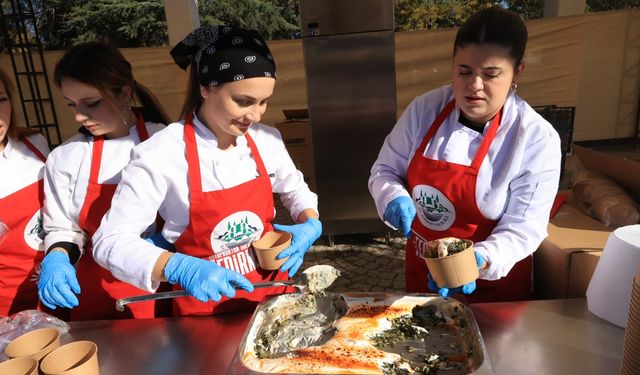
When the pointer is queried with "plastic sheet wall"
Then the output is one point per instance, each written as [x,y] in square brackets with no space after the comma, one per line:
[590,61]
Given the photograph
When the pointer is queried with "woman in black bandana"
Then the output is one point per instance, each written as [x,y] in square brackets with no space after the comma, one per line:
[212,178]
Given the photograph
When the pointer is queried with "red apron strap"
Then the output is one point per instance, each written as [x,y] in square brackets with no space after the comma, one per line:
[34,149]
[436,125]
[486,142]
[96,159]
[256,155]
[98,145]
[143,134]
[191,149]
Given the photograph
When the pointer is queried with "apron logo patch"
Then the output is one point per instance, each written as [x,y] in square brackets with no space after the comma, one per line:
[231,241]
[34,232]
[434,210]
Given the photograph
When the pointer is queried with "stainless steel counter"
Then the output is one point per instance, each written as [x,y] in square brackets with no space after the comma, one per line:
[549,337]
[533,337]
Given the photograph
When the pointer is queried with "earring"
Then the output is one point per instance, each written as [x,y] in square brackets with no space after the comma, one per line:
[125,112]
[514,87]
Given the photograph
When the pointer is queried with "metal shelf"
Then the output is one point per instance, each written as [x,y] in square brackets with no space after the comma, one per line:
[20,32]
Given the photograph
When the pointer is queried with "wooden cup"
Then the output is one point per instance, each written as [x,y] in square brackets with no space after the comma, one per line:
[19,366]
[269,246]
[35,344]
[76,358]
[454,270]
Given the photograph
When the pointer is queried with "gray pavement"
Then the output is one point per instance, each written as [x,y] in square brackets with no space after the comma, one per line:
[366,262]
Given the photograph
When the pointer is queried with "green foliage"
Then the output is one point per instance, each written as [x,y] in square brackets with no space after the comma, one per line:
[275,19]
[435,14]
[141,23]
[53,15]
[125,23]
[528,9]
[603,5]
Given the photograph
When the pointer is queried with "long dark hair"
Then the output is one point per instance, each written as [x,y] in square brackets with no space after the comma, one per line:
[497,26]
[14,132]
[103,66]
[193,100]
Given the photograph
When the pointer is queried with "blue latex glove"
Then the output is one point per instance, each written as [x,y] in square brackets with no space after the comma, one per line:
[203,279]
[159,241]
[400,213]
[465,289]
[58,282]
[302,237]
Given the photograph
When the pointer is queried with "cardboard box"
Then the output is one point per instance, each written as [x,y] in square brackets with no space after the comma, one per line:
[581,269]
[296,135]
[566,259]
[623,171]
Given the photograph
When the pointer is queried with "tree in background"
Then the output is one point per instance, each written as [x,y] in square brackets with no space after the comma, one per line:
[142,23]
[530,9]
[136,23]
[435,14]
[291,13]
[602,5]
[527,9]
[51,16]
[125,23]
[274,19]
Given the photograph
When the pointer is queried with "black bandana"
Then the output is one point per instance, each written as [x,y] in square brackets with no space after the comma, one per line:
[225,54]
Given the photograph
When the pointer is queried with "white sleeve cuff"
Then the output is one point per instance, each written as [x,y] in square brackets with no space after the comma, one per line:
[495,270]
[77,238]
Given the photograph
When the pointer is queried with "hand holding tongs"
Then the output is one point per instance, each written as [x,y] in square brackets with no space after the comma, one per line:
[183,293]
[315,279]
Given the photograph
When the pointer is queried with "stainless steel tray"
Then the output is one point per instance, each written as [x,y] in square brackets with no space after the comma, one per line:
[466,339]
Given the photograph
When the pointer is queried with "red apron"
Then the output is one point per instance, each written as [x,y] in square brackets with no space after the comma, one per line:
[22,248]
[100,289]
[445,198]
[222,226]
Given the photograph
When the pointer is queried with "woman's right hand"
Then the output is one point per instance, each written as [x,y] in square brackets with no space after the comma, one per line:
[58,284]
[204,280]
[400,213]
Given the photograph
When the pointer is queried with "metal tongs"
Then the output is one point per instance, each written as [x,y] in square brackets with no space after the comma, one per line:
[320,276]
[183,293]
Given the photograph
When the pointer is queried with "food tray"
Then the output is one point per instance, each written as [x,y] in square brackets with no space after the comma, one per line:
[455,336]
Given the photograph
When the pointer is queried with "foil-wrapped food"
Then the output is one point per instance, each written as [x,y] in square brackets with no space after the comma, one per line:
[362,333]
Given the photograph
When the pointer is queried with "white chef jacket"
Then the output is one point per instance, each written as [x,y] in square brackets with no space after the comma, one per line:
[67,178]
[156,180]
[19,166]
[517,182]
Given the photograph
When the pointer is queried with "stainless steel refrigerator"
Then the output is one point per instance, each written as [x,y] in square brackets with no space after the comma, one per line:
[349,58]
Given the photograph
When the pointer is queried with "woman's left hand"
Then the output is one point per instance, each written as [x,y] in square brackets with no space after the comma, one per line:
[303,236]
[465,289]
[58,283]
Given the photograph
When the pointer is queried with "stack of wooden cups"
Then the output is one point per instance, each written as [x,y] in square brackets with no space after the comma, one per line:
[39,352]
[631,353]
